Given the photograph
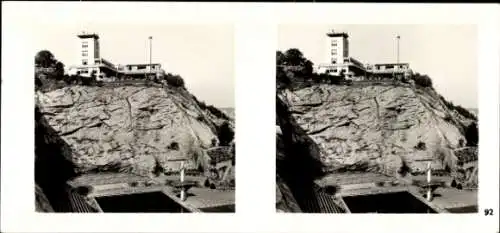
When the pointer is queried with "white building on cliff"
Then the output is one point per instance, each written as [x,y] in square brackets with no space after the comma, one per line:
[90,62]
[338,62]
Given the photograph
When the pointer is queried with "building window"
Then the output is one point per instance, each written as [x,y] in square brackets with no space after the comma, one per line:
[85,46]
[84,62]
[85,53]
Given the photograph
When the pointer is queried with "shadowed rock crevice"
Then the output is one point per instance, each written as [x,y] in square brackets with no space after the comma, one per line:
[298,166]
[53,167]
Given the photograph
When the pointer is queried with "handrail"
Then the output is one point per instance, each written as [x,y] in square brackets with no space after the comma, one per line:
[346,208]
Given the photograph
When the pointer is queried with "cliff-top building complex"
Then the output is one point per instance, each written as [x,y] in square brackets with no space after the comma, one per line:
[339,62]
[91,63]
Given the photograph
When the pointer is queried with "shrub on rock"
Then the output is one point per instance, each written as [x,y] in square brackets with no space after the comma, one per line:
[174,80]
[225,134]
[423,80]
[471,135]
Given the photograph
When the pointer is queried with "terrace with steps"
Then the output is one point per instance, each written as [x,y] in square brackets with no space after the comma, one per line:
[446,199]
[199,198]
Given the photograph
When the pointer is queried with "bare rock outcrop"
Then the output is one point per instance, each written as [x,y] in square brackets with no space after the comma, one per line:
[285,201]
[127,128]
[375,127]
[297,163]
[42,203]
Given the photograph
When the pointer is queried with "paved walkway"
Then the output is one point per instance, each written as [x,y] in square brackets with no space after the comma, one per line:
[445,198]
[119,184]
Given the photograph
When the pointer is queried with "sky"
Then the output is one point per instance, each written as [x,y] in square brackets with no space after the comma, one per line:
[447,53]
[201,54]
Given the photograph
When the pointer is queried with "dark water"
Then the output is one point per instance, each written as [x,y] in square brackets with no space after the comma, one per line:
[463,210]
[398,202]
[220,209]
[152,202]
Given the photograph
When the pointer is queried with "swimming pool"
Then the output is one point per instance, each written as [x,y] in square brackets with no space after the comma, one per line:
[394,202]
[150,202]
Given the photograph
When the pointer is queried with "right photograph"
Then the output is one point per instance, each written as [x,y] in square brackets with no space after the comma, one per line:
[376,118]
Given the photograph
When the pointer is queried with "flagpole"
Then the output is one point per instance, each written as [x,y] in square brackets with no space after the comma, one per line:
[398,37]
[150,52]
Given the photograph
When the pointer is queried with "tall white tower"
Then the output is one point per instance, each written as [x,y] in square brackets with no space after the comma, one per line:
[338,45]
[88,48]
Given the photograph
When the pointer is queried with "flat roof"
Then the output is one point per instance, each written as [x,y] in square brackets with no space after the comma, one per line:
[385,64]
[143,64]
[88,35]
[337,34]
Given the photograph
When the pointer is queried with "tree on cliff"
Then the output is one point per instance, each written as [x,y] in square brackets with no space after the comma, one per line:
[422,80]
[471,134]
[45,59]
[294,57]
[225,134]
[59,67]
[281,78]
[280,58]
[174,80]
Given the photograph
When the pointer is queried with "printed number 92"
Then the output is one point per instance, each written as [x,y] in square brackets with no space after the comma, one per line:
[488,212]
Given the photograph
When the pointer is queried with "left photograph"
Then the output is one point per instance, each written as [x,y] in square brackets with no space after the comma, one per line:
[134,118]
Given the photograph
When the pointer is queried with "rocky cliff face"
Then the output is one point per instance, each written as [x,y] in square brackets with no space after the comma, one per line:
[297,162]
[128,128]
[52,168]
[42,203]
[376,127]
